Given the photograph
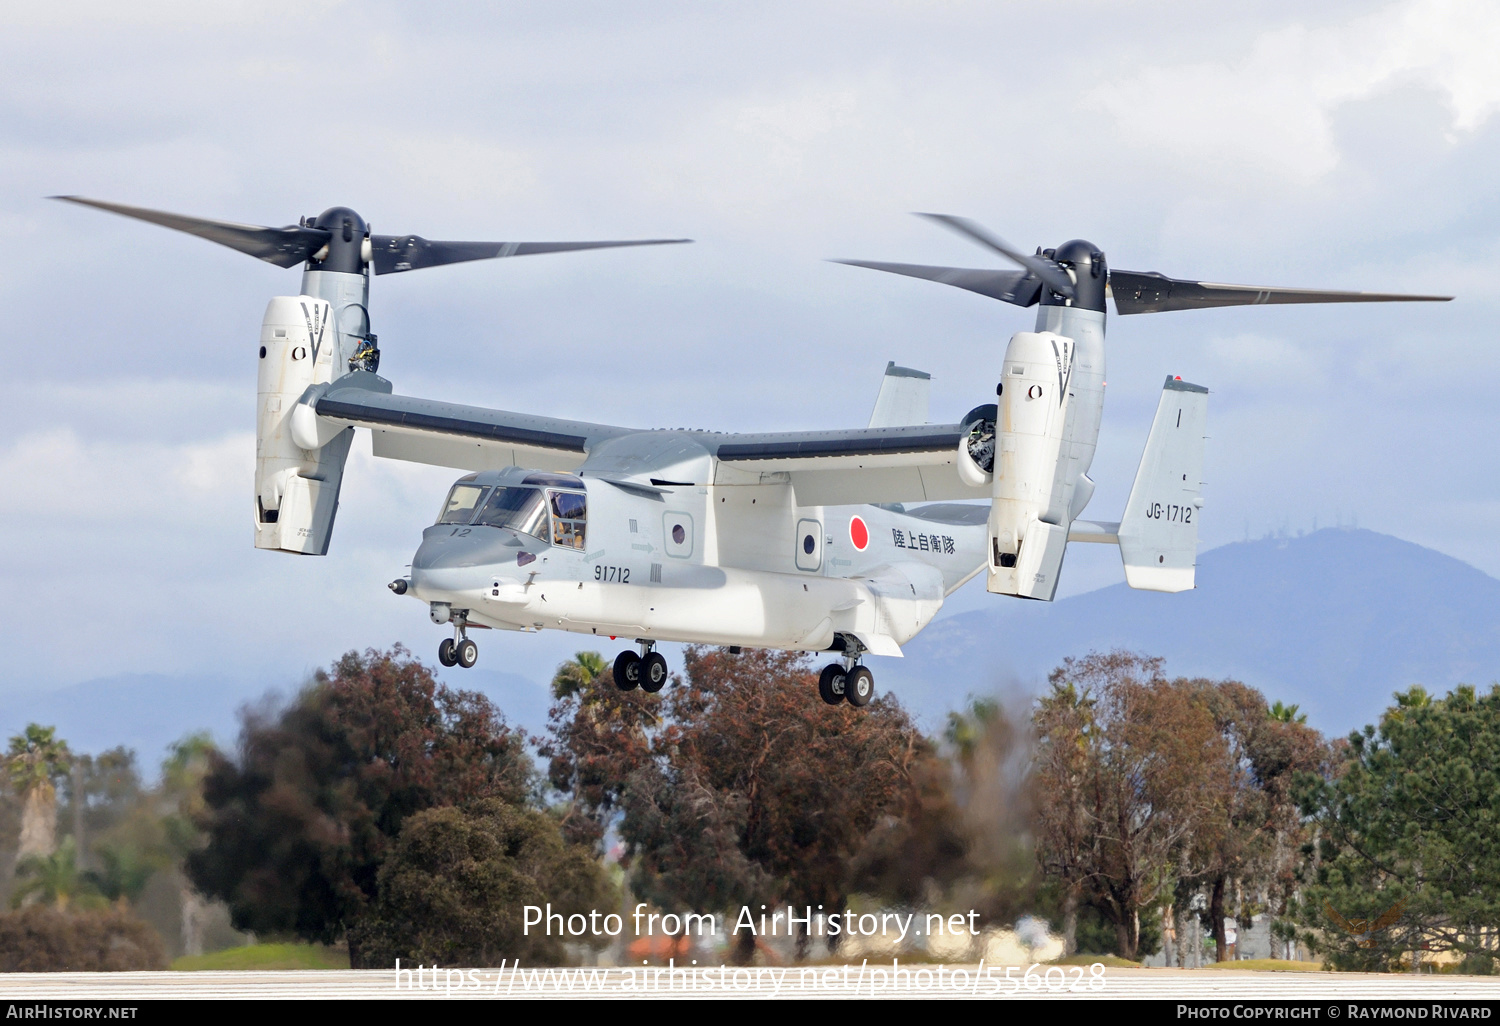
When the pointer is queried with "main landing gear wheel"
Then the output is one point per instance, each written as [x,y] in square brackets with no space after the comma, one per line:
[467,653]
[446,655]
[627,671]
[832,683]
[860,686]
[653,670]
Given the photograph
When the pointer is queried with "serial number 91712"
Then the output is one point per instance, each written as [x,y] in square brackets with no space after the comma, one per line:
[620,574]
[1172,514]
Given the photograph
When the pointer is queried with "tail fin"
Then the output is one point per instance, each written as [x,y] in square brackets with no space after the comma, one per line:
[903,397]
[1159,533]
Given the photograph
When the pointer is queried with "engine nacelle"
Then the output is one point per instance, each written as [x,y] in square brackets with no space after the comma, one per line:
[1032,489]
[296,489]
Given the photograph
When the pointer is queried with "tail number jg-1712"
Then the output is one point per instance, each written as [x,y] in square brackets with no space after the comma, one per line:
[1171,514]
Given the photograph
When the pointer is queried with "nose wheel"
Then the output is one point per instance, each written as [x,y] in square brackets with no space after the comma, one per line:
[459,650]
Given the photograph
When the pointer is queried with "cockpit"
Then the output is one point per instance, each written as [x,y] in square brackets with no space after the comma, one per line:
[550,514]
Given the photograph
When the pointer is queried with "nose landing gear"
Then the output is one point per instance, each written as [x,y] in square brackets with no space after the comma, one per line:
[458,650]
[647,671]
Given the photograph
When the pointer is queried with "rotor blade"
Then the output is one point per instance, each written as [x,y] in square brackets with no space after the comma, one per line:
[1149,292]
[284,247]
[1056,278]
[392,253]
[1018,287]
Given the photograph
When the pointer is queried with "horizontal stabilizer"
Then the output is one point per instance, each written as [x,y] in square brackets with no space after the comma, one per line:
[1159,532]
[1089,531]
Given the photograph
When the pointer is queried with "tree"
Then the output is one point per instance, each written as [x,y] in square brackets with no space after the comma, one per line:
[298,824]
[1407,859]
[738,783]
[1127,765]
[1246,845]
[54,878]
[36,761]
[597,736]
[576,675]
[453,890]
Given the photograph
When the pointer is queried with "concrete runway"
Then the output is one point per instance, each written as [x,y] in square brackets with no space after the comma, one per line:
[869,981]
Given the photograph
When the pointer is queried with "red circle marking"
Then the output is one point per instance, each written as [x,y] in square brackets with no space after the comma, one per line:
[859,534]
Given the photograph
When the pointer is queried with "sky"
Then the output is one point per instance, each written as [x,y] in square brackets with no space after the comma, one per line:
[1336,145]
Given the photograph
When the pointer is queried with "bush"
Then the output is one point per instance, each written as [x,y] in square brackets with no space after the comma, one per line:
[453,890]
[40,939]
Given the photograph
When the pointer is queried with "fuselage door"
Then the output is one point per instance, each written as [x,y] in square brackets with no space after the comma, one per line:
[809,545]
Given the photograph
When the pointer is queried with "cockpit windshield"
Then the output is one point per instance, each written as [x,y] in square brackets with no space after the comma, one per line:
[521,509]
[462,501]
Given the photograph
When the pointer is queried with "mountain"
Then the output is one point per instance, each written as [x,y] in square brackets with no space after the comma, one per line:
[1334,621]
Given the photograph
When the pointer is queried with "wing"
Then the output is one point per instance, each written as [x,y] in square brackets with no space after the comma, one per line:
[465,437]
[866,465]
[828,468]
[1390,915]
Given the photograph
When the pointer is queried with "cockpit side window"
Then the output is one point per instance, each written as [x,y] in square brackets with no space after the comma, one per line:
[462,501]
[569,516]
[521,509]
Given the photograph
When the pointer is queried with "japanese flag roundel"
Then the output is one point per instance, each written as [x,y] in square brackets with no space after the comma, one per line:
[859,534]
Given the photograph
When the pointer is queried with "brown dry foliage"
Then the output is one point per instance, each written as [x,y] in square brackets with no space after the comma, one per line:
[41,939]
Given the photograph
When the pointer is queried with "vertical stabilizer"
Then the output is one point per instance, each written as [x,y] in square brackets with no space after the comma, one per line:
[1159,533]
[903,399]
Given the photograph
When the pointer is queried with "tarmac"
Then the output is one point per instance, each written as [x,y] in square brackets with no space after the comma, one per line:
[868,980]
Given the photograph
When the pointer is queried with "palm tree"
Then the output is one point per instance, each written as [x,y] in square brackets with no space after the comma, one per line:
[1286,713]
[125,871]
[53,877]
[37,758]
[182,799]
[578,673]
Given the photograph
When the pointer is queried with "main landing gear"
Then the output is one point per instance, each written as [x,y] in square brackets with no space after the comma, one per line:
[458,650]
[647,671]
[846,680]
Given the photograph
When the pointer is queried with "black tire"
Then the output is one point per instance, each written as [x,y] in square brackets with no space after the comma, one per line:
[446,655]
[831,683]
[467,653]
[860,687]
[653,672]
[627,671]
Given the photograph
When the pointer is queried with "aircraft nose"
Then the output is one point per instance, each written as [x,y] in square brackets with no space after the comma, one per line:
[446,548]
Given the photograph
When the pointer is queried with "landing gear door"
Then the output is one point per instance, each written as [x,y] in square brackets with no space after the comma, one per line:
[809,542]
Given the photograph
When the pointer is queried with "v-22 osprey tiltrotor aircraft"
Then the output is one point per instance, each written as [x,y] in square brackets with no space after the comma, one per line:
[842,541]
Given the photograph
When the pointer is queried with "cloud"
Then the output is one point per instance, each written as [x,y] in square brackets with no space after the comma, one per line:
[1268,106]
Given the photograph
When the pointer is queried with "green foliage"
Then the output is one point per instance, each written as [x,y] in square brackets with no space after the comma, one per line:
[298,824]
[36,758]
[1407,825]
[265,957]
[452,891]
[39,938]
[1097,933]
[1286,713]
[577,674]
[124,870]
[53,879]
